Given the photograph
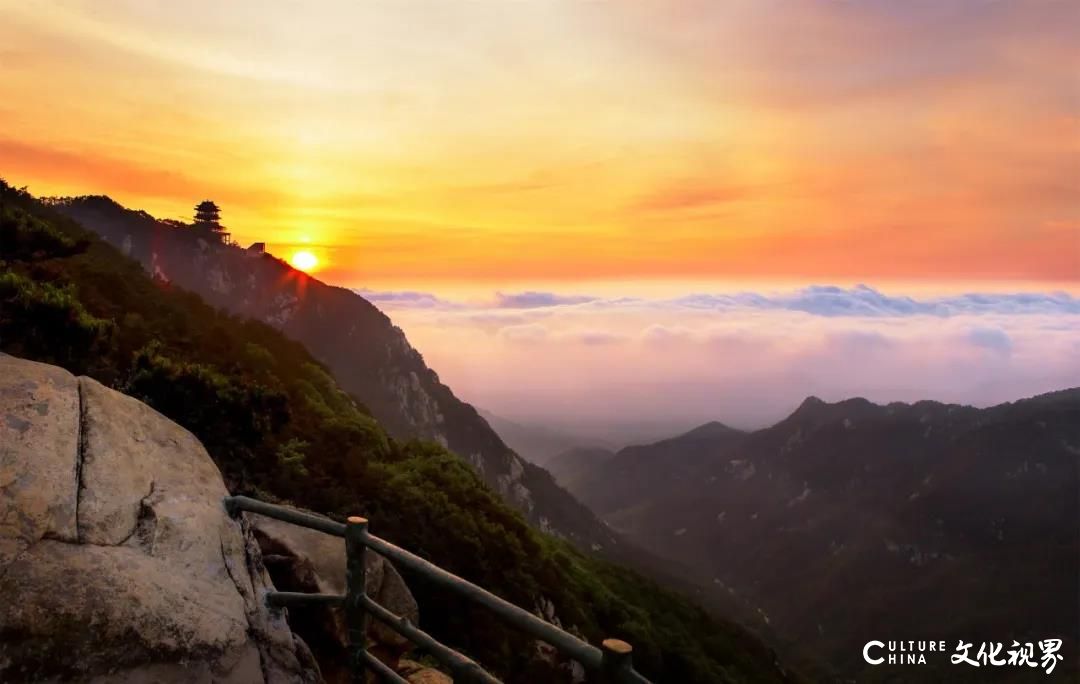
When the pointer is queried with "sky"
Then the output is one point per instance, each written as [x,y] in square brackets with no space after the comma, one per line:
[456,141]
[621,158]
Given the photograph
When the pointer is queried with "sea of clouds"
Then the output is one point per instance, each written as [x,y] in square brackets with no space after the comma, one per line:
[745,358]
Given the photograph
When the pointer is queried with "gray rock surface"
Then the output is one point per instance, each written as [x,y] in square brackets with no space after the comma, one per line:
[118,562]
[39,439]
[315,561]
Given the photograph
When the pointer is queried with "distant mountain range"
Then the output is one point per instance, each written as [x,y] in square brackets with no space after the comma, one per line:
[852,521]
[366,352]
[537,443]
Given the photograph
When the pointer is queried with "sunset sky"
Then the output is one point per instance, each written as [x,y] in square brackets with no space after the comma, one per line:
[475,141]
[622,210]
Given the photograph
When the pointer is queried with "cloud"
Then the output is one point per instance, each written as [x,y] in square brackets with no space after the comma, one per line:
[662,335]
[994,339]
[484,318]
[527,334]
[81,167]
[691,194]
[536,300]
[597,337]
[406,298]
[745,358]
[859,341]
[91,170]
[828,301]
[862,300]
[817,300]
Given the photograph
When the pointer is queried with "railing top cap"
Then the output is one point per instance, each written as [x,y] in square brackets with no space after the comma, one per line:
[617,646]
[356,520]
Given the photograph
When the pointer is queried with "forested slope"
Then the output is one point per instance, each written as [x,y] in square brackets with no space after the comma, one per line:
[280,428]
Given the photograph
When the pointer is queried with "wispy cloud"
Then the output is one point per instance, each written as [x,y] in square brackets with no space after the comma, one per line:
[816,300]
[862,300]
[406,298]
[536,300]
[691,195]
[527,334]
[598,337]
[994,339]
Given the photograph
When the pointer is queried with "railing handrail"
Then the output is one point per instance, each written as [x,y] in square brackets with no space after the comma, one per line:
[612,660]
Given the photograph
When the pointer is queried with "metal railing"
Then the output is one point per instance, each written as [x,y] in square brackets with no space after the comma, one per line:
[612,661]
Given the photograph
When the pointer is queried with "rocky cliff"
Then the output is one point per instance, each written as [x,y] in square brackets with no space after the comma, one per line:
[118,562]
[368,355]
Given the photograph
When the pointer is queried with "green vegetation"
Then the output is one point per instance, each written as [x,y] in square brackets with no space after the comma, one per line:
[280,428]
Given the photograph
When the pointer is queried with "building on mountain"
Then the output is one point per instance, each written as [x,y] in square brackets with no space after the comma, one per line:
[207,224]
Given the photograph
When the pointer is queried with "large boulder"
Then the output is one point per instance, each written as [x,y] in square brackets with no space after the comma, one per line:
[302,559]
[118,562]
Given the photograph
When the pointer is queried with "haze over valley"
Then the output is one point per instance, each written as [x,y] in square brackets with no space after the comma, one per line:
[631,366]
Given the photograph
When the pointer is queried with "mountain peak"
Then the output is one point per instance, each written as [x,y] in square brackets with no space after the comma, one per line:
[811,405]
[817,409]
[712,429]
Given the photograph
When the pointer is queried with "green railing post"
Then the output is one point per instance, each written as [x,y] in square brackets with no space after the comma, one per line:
[355,580]
[616,661]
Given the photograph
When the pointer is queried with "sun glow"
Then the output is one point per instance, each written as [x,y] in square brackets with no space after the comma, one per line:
[304,261]
[717,173]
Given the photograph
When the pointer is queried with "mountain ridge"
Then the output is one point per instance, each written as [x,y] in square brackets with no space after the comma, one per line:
[846,515]
[370,356]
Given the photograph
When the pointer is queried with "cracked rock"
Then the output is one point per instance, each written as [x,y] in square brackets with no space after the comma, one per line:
[117,560]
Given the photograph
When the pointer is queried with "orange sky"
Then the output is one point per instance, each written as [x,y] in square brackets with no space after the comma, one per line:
[555,140]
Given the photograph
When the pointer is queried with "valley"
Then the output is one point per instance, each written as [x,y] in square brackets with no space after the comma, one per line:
[848,517]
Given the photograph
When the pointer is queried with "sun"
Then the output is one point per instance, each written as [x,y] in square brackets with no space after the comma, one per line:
[304,261]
